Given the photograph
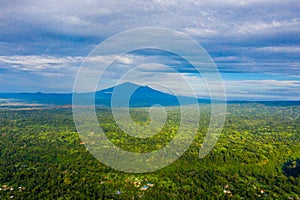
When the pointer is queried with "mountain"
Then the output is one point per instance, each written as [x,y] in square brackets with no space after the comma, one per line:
[143,96]
[138,96]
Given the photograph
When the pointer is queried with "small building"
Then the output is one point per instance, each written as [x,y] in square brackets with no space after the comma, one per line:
[227,191]
[118,192]
[150,184]
[145,187]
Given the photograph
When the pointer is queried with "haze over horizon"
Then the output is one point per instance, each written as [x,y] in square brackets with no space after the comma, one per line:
[254,43]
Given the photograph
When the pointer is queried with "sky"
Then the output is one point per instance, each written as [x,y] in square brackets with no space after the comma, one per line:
[254,43]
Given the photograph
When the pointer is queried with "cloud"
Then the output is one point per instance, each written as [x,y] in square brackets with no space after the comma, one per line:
[43,65]
[279,49]
[267,83]
[45,40]
[102,17]
[263,89]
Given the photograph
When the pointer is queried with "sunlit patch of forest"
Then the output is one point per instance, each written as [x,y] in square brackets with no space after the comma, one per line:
[256,157]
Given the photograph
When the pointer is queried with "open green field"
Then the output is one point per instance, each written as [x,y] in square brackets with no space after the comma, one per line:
[256,157]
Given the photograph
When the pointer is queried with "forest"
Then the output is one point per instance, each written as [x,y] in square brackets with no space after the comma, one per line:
[256,157]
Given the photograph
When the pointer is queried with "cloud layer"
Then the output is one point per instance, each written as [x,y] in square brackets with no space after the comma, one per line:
[46,41]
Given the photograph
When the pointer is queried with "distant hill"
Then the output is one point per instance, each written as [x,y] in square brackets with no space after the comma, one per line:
[38,98]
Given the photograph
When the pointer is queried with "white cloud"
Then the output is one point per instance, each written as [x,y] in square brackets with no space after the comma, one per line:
[201,32]
[279,49]
[263,89]
[265,27]
[41,65]
[226,58]
[265,83]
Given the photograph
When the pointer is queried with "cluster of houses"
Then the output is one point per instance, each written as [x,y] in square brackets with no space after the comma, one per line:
[146,187]
[227,191]
[9,188]
[137,183]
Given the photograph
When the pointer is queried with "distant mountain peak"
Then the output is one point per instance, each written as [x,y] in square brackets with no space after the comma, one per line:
[125,85]
[128,84]
[140,95]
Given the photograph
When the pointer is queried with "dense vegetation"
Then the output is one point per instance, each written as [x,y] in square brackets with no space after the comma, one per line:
[257,156]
